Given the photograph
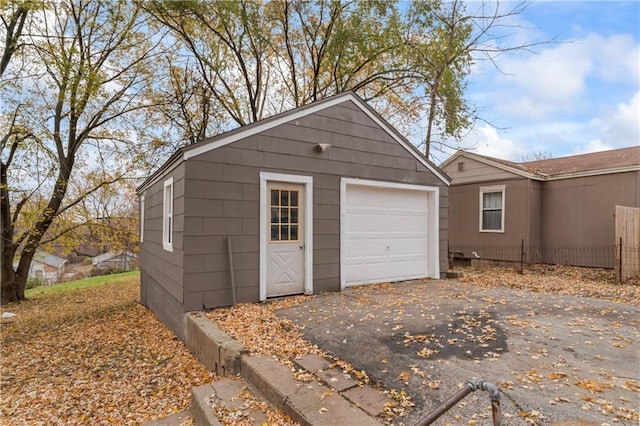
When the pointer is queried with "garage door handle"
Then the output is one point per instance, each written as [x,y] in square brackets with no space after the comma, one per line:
[302,247]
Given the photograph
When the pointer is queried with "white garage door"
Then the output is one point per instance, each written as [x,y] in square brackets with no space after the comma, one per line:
[386,233]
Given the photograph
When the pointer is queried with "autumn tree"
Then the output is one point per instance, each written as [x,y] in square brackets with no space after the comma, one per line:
[260,59]
[104,220]
[445,41]
[71,124]
[407,60]
[229,43]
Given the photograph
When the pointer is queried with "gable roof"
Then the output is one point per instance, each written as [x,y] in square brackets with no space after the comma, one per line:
[243,132]
[596,163]
[111,255]
[49,259]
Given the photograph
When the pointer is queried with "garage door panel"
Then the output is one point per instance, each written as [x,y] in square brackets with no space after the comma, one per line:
[385,234]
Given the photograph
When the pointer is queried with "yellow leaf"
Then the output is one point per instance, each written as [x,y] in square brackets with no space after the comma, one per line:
[557,375]
[404,376]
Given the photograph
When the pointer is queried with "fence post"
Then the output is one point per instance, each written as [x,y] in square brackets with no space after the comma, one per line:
[522,256]
[620,261]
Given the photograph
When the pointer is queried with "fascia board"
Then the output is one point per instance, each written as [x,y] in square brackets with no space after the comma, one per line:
[168,166]
[588,173]
[504,167]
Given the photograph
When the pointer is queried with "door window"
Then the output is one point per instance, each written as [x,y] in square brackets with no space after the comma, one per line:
[284,209]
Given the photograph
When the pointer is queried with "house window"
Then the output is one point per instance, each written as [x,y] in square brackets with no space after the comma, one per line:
[167,216]
[492,208]
[461,166]
[284,215]
[142,218]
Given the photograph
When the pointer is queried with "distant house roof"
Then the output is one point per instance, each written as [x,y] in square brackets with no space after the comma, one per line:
[259,126]
[49,259]
[604,162]
[104,257]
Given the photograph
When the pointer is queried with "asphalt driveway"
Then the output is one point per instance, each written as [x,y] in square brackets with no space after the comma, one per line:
[553,357]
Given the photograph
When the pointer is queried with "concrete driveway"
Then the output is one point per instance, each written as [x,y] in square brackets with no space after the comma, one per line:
[553,357]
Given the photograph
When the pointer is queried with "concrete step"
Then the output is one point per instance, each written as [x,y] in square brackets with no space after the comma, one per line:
[330,398]
[227,398]
[266,379]
[177,419]
[308,403]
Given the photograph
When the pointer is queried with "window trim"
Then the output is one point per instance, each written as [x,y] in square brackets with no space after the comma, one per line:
[142,218]
[491,189]
[167,216]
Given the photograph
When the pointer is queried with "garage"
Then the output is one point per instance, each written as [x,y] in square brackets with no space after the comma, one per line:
[322,197]
[389,232]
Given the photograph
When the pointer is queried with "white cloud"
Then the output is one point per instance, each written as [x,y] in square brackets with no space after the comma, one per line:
[617,128]
[615,58]
[595,145]
[559,78]
[568,98]
[487,141]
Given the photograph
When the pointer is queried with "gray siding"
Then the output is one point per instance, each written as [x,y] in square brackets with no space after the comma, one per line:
[163,304]
[550,216]
[162,267]
[579,212]
[222,197]
[475,171]
[520,210]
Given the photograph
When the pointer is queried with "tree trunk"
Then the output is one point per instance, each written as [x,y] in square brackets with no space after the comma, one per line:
[13,284]
[22,273]
[8,284]
[431,117]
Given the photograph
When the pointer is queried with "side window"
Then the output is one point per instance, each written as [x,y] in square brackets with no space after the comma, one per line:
[142,218]
[167,216]
[492,208]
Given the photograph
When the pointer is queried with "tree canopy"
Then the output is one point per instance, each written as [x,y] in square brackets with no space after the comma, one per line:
[81,80]
[71,89]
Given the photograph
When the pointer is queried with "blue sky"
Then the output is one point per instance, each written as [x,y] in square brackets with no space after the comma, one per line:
[578,94]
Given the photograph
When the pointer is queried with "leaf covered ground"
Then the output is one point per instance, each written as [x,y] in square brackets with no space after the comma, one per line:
[95,356]
[556,279]
[259,328]
[92,356]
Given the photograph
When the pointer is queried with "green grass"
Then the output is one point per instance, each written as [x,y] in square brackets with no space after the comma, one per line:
[81,284]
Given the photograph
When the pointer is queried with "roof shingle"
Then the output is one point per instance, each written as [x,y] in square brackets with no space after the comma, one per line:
[612,159]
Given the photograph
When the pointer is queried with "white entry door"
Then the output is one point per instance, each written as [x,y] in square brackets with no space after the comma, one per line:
[285,239]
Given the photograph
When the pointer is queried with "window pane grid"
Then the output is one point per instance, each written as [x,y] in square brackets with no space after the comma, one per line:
[492,211]
[284,215]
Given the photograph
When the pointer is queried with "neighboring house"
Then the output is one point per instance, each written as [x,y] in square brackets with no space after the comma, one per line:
[317,199]
[112,260]
[560,210]
[47,267]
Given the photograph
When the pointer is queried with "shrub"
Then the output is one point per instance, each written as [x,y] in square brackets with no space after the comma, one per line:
[34,282]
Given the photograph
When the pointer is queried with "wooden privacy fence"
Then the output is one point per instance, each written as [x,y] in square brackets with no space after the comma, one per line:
[628,241]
